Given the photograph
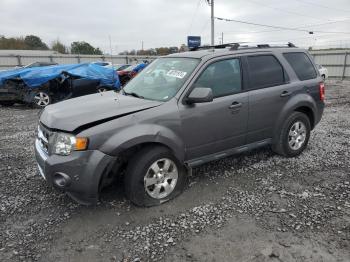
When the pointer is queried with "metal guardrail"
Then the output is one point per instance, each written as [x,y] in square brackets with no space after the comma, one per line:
[337,62]
[10,61]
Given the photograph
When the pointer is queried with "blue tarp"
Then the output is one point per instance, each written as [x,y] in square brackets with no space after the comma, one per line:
[38,76]
[139,67]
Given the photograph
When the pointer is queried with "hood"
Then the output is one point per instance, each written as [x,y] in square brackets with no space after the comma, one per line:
[93,109]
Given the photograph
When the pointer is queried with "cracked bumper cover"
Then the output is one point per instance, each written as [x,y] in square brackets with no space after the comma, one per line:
[84,168]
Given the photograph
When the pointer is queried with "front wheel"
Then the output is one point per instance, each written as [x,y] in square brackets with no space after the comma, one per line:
[41,99]
[294,135]
[154,176]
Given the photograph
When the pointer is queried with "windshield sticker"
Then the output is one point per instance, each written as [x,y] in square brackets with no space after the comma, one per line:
[176,73]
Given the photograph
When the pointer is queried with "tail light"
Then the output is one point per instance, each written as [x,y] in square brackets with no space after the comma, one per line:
[322,92]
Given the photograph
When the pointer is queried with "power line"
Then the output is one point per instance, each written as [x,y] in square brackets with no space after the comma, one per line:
[322,6]
[277,27]
[194,15]
[299,27]
[286,11]
[205,26]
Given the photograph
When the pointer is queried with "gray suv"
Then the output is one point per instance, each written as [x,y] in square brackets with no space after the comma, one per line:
[182,111]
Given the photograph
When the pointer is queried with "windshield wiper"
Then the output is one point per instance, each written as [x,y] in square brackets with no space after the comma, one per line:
[133,94]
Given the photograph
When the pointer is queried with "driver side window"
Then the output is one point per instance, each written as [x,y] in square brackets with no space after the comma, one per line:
[223,77]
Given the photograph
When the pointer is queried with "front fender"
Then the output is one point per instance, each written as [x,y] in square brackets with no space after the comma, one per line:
[144,133]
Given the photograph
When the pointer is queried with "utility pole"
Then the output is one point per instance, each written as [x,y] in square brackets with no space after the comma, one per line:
[212,22]
[142,46]
[110,48]
[221,39]
[211,4]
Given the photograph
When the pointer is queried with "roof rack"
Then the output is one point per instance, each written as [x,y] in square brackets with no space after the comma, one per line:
[236,46]
[222,46]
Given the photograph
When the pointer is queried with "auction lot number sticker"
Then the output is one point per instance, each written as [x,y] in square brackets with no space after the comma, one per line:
[176,73]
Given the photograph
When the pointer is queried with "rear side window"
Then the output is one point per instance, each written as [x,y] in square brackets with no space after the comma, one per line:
[265,71]
[223,77]
[301,65]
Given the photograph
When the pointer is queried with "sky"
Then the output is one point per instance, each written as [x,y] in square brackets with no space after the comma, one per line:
[158,23]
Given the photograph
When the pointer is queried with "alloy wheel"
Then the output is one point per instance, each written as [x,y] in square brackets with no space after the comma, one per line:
[161,178]
[297,135]
[42,99]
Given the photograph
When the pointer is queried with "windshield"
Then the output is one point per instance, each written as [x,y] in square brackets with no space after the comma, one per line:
[162,79]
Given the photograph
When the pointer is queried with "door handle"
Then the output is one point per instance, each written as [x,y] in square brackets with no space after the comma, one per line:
[285,93]
[235,105]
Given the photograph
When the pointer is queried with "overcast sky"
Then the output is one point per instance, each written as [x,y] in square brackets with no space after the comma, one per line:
[168,22]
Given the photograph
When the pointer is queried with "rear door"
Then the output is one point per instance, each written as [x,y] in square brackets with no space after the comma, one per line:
[269,91]
[221,124]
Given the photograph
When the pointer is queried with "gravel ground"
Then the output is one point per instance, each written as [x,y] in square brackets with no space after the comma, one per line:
[252,207]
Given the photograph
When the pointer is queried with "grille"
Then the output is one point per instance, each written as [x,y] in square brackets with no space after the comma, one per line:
[44,135]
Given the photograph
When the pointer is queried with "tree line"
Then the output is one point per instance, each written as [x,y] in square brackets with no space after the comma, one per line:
[32,42]
[156,51]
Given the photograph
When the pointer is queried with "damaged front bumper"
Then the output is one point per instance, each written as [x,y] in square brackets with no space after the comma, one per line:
[10,94]
[78,174]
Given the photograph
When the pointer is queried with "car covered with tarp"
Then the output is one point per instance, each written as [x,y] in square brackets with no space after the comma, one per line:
[41,86]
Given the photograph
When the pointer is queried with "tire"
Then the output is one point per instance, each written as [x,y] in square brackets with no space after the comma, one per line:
[324,77]
[102,89]
[141,170]
[294,135]
[41,99]
[7,103]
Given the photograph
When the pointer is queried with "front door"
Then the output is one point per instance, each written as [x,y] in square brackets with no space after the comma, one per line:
[222,124]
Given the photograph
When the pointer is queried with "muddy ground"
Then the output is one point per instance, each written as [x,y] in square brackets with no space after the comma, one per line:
[252,207]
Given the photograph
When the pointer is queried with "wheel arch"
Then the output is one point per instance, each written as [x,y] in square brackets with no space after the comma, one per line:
[302,103]
[145,135]
[309,113]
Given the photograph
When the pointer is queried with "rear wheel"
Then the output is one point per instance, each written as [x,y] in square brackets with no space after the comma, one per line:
[41,99]
[154,176]
[294,135]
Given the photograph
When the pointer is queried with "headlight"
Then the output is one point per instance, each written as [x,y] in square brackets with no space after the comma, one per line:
[66,143]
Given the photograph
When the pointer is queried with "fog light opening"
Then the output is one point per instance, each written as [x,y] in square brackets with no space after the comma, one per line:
[61,180]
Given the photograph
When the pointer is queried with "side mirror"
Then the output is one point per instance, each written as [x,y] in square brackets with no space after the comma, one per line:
[200,95]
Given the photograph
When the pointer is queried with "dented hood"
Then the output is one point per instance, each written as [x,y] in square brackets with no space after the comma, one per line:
[85,111]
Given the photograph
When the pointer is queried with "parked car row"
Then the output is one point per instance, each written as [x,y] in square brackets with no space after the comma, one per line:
[14,89]
[16,86]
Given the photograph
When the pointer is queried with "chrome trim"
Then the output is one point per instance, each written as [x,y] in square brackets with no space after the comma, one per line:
[41,135]
[41,152]
[41,172]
